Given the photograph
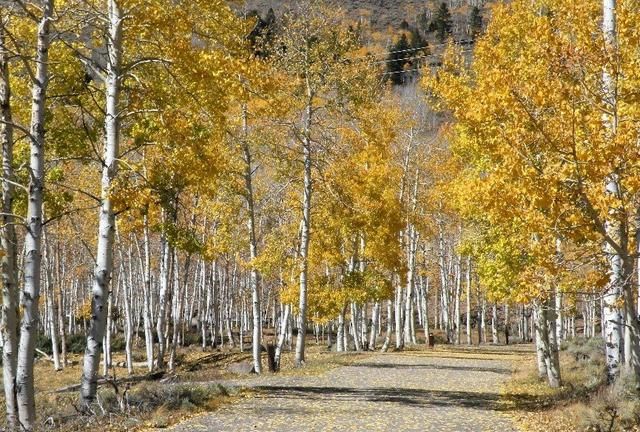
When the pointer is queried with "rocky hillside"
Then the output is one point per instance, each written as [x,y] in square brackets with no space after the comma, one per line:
[383,15]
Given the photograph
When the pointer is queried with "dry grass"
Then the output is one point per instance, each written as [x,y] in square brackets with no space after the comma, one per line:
[192,390]
[583,403]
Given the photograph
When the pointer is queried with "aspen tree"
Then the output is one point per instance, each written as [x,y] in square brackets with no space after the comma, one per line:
[106,227]
[8,239]
[33,237]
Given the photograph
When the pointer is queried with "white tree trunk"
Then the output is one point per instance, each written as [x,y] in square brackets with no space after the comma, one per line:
[399,325]
[468,280]
[560,327]
[411,269]
[458,294]
[145,267]
[387,335]
[162,300]
[106,345]
[375,314]
[33,237]
[284,323]
[8,240]
[494,325]
[253,248]
[51,303]
[340,345]
[483,320]
[354,327]
[304,235]
[611,314]
[542,349]
[180,288]
[553,364]
[106,224]
[127,299]
[424,287]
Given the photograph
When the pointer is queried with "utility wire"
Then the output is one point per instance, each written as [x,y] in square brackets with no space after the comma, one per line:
[463,42]
[402,59]
[434,56]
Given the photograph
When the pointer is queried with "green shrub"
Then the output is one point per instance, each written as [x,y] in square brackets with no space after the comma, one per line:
[148,397]
[191,338]
[43,343]
[613,408]
[585,350]
[76,343]
[118,343]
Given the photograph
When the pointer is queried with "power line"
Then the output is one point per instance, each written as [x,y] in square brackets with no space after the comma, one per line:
[434,56]
[386,53]
[463,42]
[403,59]
[402,71]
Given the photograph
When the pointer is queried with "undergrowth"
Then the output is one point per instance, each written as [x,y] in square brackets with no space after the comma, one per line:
[584,402]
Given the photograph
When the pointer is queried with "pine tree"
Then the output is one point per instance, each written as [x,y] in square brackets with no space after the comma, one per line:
[416,41]
[475,22]
[442,23]
[397,60]
[423,21]
[263,32]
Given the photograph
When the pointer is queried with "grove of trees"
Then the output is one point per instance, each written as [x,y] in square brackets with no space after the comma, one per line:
[184,173]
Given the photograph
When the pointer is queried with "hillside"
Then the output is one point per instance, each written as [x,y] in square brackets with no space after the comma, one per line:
[383,15]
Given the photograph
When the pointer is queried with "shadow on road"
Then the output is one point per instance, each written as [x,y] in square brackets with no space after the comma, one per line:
[503,371]
[403,396]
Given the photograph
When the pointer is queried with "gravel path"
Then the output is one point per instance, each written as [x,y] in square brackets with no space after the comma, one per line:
[439,391]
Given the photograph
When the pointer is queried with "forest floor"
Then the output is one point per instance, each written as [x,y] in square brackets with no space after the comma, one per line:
[445,389]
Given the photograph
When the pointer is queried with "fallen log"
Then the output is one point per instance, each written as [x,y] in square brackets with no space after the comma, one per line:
[153,376]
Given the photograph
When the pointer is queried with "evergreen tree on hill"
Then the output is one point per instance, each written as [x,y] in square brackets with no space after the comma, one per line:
[405,56]
[262,34]
[442,23]
[398,58]
[475,22]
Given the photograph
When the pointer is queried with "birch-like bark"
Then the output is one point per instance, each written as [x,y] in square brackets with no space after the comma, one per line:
[412,246]
[180,288]
[444,283]
[468,281]
[127,298]
[215,307]
[162,300]
[542,349]
[494,324]
[387,334]
[560,326]
[457,293]
[106,224]
[284,323]
[254,277]
[483,320]
[8,240]
[411,268]
[340,345]
[204,306]
[33,237]
[398,316]
[375,314]
[553,363]
[145,267]
[106,344]
[424,287]
[51,303]
[612,315]
[61,326]
[305,232]
[354,327]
